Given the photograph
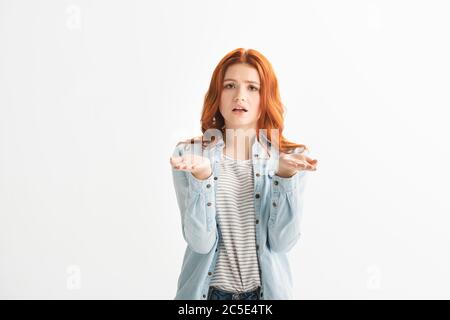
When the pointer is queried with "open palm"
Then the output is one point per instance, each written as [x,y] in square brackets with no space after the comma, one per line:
[296,161]
[191,163]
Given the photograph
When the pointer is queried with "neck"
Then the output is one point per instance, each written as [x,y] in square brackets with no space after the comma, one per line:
[238,143]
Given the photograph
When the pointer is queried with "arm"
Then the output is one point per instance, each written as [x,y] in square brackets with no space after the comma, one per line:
[195,200]
[286,209]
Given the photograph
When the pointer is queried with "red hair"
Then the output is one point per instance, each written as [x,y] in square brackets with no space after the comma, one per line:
[272,109]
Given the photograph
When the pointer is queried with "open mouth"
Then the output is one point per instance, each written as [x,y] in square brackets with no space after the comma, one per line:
[240,110]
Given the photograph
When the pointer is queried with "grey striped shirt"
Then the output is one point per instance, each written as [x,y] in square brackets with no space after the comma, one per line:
[237,268]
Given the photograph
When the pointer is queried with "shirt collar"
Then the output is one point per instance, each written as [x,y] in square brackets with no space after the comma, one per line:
[261,149]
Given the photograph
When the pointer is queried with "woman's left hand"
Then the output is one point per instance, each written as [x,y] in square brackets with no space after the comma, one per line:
[290,163]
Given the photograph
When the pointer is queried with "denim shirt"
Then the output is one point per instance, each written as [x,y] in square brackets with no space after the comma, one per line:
[278,210]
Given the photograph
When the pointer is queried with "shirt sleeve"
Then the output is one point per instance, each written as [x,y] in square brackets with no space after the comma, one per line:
[286,211]
[196,206]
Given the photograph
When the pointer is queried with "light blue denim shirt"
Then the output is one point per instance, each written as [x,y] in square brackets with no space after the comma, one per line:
[278,213]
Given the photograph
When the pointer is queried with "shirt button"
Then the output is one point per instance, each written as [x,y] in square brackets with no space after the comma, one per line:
[208,185]
[209,204]
[256,155]
[261,294]
[209,273]
[275,182]
[274,204]
[204,296]
[215,178]
[257,221]
[257,174]
[257,196]
[257,247]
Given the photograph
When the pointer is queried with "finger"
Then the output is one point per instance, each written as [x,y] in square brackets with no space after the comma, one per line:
[302,157]
[184,161]
[185,167]
[310,160]
[179,165]
[303,165]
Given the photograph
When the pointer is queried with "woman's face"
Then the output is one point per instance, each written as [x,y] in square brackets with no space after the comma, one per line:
[241,88]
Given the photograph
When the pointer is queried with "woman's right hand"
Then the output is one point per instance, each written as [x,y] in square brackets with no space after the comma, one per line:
[199,166]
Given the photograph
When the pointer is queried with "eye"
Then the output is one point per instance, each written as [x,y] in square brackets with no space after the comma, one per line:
[253,88]
[227,85]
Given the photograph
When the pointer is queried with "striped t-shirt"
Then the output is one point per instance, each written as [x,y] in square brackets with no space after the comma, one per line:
[237,268]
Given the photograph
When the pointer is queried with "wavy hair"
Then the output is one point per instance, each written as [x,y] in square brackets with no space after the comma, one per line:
[272,109]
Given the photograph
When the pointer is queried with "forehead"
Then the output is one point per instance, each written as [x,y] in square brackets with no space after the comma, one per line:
[242,72]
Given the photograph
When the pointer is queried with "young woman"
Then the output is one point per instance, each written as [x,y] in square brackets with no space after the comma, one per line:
[239,188]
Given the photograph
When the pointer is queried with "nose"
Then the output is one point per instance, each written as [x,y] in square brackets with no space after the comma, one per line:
[240,94]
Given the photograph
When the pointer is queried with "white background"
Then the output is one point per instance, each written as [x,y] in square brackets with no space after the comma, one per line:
[94,96]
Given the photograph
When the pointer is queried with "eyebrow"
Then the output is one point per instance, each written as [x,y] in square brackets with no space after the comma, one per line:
[248,81]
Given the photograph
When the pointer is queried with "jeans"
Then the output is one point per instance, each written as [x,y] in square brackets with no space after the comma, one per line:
[216,294]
